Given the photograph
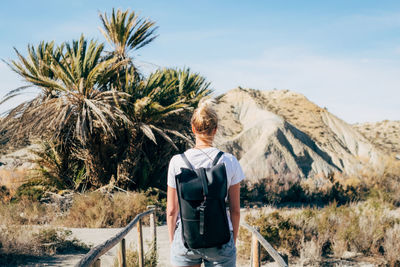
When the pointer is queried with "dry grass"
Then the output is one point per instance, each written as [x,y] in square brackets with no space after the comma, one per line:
[96,210]
[26,212]
[336,187]
[392,245]
[309,235]
[92,210]
[132,258]
[310,252]
[18,241]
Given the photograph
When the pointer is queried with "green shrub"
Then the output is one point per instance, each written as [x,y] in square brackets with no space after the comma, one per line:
[34,190]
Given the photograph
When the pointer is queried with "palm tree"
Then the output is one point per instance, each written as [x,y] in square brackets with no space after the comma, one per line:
[79,112]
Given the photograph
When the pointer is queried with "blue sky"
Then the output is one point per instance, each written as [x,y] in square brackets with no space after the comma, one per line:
[343,55]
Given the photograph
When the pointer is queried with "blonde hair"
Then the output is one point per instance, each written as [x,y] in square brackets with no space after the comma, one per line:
[205,120]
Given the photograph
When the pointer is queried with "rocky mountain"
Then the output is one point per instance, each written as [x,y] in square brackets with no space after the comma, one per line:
[383,134]
[281,131]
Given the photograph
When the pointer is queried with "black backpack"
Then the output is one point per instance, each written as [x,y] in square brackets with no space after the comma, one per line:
[201,197]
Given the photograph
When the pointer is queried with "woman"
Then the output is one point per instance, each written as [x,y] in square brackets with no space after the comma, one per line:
[204,126]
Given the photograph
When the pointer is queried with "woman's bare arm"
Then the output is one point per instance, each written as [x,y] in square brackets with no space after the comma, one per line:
[172,211]
[234,208]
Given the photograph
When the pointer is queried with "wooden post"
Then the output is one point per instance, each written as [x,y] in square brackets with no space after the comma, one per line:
[122,254]
[140,243]
[97,263]
[255,251]
[153,230]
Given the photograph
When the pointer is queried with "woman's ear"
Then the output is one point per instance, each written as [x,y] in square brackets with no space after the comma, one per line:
[193,129]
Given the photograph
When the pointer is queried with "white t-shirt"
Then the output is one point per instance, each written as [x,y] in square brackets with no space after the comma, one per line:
[203,159]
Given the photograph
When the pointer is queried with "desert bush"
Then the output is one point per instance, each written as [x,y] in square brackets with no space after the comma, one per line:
[312,233]
[358,227]
[97,209]
[53,240]
[34,190]
[93,209]
[274,189]
[391,245]
[386,183]
[27,212]
[279,231]
[310,252]
[289,187]
[370,182]
[17,241]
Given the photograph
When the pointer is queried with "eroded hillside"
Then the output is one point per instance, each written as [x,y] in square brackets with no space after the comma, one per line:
[278,131]
[384,134]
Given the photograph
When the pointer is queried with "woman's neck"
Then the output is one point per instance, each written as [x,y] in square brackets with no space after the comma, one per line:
[202,144]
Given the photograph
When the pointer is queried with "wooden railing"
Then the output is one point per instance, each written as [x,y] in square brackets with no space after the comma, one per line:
[256,240]
[92,258]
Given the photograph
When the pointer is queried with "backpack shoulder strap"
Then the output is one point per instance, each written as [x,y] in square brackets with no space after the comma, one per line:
[187,162]
[215,161]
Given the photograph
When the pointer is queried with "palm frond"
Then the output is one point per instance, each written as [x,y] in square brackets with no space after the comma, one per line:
[146,129]
[164,135]
[126,31]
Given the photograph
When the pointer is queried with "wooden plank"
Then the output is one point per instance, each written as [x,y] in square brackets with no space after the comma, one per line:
[97,263]
[255,251]
[140,243]
[100,249]
[122,253]
[153,229]
[274,254]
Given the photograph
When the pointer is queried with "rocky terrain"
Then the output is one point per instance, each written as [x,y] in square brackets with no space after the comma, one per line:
[383,134]
[281,131]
